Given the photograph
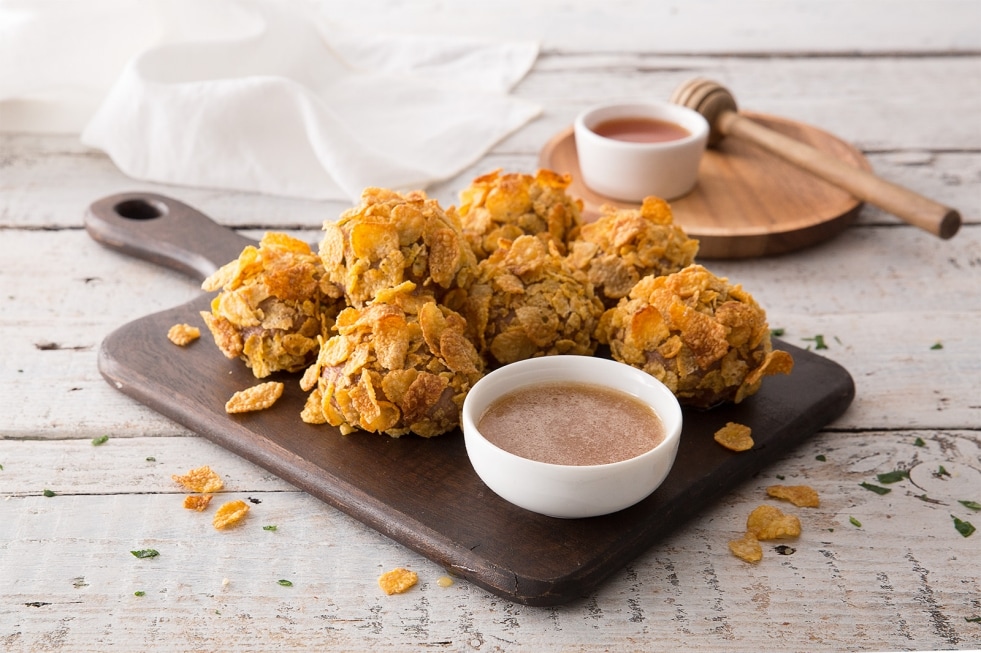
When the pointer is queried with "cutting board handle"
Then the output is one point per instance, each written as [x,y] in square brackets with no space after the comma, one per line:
[164,231]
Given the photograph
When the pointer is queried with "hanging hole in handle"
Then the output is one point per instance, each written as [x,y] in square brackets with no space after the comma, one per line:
[140,209]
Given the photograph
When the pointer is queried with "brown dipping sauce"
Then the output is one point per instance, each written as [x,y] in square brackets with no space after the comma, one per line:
[566,423]
[641,130]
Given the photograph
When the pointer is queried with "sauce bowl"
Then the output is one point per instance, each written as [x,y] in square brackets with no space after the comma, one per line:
[571,491]
[631,171]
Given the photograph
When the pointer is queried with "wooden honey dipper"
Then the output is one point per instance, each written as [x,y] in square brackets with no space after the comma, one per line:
[718,106]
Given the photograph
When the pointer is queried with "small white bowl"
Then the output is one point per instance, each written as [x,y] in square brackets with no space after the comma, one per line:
[571,491]
[631,171]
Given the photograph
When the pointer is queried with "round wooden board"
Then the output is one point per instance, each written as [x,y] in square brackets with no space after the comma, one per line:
[747,202]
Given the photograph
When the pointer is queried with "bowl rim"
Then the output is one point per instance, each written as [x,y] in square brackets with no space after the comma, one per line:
[468,421]
[585,121]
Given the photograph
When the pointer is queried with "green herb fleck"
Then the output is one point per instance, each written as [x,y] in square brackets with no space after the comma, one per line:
[1,468]
[974,620]
[973,505]
[821,457]
[151,459]
[918,442]
[855,522]
[941,471]
[49,493]
[923,497]
[776,333]
[818,341]
[285,583]
[937,345]
[878,489]
[781,477]
[145,553]
[102,439]
[893,477]
[139,593]
[965,528]
[270,527]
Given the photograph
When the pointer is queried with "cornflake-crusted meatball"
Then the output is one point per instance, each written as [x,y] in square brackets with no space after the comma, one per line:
[273,305]
[625,245]
[705,339]
[390,238]
[504,206]
[528,301]
[401,364]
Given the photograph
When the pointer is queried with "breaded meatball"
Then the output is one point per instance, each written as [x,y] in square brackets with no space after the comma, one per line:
[391,238]
[705,339]
[625,245]
[398,365]
[273,305]
[528,301]
[504,206]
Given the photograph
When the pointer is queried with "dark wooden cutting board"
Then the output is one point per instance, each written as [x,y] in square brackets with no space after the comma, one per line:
[424,493]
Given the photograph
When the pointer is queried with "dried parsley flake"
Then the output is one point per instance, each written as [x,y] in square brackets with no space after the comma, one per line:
[285,583]
[875,488]
[892,477]
[973,505]
[145,553]
[855,522]
[102,439]
[965,528]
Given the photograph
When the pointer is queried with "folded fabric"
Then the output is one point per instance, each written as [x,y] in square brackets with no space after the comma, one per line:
[268,96]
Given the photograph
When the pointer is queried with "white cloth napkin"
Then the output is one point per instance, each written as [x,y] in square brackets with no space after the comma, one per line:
[257,95]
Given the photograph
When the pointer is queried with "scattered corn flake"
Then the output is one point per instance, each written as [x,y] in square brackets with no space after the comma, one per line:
[397,580]
[735,437]
[802,496]
[747,548]
[770,523]
[258,397]
[230,514]
[183,334]
[203,479]
[197,502]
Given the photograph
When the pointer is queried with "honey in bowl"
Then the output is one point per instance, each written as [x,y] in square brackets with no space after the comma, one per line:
[570,423]
[641,130]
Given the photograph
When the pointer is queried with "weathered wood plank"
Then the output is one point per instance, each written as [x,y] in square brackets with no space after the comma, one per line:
[903,576]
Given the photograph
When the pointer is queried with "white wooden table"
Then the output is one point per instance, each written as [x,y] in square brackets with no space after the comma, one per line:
[899,308]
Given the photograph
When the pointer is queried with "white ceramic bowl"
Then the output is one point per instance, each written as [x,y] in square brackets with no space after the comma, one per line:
[632,171]
[571,491]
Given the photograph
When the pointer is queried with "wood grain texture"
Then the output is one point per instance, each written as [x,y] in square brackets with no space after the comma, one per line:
[899,80]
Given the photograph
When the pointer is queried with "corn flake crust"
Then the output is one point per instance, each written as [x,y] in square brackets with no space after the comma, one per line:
[230,514]
[397,580]
[401,364]
[197,502]
[625,245]
[258,397]
[735,437]
[272,306]
[802,496]
[390,239]
[705,339]
[770,523]
[500,206]
[202,479]
[747,548]
[528,301]
[183,334]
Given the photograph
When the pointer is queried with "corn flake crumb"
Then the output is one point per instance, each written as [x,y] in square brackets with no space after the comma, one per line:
[203,479]
[183,334]
[770,523]
[747,548]
[230,514]
[258,397]
[197,502]
[735,437]
[397,581]
[801,496]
